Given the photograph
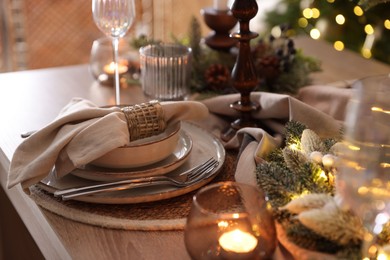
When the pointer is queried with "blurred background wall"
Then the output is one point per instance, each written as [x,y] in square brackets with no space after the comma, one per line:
[46,33]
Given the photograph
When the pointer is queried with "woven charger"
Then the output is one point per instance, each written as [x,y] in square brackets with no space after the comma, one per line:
[169,214]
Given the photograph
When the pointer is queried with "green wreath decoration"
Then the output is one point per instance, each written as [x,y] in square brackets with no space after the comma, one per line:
[299,181]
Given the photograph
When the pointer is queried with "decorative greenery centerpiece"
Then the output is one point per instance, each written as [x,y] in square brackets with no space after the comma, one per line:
[299,180]
[372,3]
[281,68]
[362,26]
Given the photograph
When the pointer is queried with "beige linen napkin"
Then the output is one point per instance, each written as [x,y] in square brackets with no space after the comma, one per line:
[275,110]
[80,134]
[328,99]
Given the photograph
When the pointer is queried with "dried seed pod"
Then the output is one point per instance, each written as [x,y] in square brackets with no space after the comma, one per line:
[308,202]
[334,224]
[311,142]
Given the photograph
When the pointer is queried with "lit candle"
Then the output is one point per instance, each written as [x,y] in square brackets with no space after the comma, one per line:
[221,5]
[237,241]
[110,68]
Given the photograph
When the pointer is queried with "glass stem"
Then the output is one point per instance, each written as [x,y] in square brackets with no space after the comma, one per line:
[115,47]
[370,247]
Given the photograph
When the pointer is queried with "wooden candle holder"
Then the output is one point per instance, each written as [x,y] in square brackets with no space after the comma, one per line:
[244,78]
[221,22]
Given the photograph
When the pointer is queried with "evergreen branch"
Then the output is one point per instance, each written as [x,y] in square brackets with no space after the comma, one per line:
[308,239]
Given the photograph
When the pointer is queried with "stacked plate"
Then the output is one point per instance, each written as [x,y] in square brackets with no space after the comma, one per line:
[179,148]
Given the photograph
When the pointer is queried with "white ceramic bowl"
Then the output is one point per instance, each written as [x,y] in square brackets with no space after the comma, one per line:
[142,152]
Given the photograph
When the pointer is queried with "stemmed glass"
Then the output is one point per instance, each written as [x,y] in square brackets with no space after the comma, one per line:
[363,181]
[114,18]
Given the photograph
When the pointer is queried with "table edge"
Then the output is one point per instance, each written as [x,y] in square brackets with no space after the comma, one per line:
[44,236]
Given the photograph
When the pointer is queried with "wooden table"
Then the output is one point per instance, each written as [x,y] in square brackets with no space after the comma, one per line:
[31,99]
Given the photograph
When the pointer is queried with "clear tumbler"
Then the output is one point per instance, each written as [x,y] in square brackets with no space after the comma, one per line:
[165,71]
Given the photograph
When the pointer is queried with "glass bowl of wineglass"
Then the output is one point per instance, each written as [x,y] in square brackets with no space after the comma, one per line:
[114,18]
[363,180]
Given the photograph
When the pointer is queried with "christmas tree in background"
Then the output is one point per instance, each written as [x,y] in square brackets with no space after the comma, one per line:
[362,28]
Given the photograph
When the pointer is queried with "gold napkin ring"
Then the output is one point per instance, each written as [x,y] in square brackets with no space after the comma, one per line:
[144,120]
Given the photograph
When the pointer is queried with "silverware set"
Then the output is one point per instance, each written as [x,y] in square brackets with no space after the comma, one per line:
[187,178]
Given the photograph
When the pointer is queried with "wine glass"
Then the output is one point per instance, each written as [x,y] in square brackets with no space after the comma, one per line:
[114,18]
[363,181]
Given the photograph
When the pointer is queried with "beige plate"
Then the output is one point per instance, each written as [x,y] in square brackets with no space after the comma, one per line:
[175,160]
[204,146]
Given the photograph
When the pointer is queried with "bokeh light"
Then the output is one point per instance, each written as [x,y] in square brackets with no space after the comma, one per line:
[315,13]
[366,53]
[358,11]
[386,23]
[302,22]
[307,13]
[369,29]
[315,33]
[340,19]
[338,45]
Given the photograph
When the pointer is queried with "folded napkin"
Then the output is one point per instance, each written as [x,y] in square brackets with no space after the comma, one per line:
[81,133]
[328,99]
[275,111]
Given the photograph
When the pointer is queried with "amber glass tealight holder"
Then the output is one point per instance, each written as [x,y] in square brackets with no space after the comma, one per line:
[229,220]
[102,65]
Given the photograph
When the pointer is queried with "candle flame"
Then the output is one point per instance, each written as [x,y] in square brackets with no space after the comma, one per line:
[238,241]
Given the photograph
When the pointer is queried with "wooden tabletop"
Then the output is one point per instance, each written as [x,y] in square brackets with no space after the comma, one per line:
[31,99]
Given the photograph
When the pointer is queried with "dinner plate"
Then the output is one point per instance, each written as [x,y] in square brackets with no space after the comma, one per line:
[173,161]
[204,147]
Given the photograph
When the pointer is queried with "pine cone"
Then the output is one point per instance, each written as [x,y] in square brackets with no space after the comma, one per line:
[217,77]
[260,49]
[268,67]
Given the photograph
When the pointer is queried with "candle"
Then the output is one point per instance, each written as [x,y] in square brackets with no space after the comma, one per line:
[110,68]
[237,241]
[221,5]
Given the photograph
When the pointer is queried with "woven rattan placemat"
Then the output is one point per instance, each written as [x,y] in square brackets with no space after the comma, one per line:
[169,214]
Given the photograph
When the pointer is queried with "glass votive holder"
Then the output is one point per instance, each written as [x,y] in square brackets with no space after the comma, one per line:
[230,220]
[102,65]
[165,71]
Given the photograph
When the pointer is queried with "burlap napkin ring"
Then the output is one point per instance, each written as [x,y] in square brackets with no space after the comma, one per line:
[144,120]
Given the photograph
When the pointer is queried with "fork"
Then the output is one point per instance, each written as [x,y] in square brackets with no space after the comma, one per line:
[186,178]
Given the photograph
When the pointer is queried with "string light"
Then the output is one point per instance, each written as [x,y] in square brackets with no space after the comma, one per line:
[307,13]
[366,53]
[340,19]
[369,29]
[315,13]
[323,176]
[302,22]
[338,45]
[311,22]
[386,23]
[315,33]
[294,147]
[358,11]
